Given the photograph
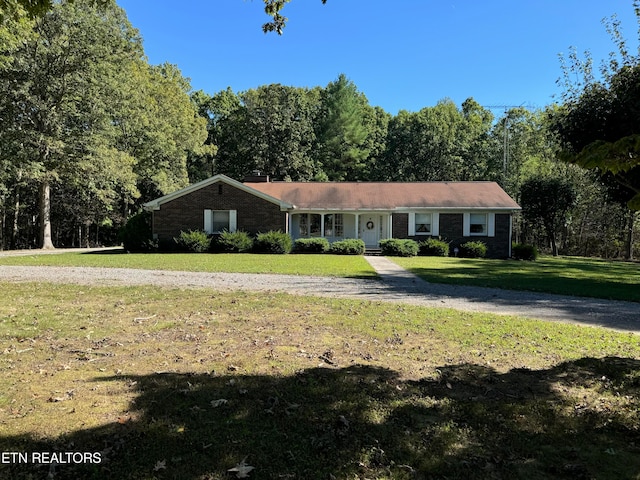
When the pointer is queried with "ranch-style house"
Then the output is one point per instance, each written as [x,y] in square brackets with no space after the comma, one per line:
[453,211]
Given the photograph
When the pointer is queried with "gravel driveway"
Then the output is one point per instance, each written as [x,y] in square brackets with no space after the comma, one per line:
[396,285]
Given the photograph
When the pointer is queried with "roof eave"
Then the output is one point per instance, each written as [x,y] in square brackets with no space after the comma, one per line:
[155,204]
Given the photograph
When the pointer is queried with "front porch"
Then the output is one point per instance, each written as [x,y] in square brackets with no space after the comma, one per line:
[371,227]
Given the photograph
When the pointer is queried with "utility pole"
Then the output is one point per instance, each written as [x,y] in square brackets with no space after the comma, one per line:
[505,147]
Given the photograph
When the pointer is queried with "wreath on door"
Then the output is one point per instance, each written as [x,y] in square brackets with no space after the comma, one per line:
[370,225]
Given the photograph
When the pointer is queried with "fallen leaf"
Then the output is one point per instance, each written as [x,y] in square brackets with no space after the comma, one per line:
[57,399]
[160,465]
[219,402]
[241,470]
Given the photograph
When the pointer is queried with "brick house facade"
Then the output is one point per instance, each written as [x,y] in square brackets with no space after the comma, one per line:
[186,212]
[453,211]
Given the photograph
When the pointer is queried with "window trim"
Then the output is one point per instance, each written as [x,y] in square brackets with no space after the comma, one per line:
[208,221]
[435,224]
[490,218]
[305,220]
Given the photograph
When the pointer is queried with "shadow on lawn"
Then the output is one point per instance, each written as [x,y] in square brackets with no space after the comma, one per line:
[365,422]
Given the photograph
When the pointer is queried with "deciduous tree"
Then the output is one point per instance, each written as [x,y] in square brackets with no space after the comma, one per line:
[598,124]
[55,91]
[547,200]
[272,131]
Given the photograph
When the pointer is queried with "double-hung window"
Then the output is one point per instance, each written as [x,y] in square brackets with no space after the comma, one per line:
[217,221]
[479,225]
[424,223]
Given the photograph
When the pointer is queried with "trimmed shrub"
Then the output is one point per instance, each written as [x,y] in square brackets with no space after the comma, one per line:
[397,247]
[136,235]
[232,242]
[432,247]
[473,250]
[193,241]
[311,245]
[350,246]
[273,242]
[521,251]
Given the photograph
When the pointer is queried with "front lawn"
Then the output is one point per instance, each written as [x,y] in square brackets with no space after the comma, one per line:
[586,277]
[189,384]
[318,265]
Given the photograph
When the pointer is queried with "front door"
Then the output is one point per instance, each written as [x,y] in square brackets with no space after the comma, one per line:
[370,230]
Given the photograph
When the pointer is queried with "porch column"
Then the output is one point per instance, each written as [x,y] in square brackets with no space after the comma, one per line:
[357,225]
[322,225]
[390,225]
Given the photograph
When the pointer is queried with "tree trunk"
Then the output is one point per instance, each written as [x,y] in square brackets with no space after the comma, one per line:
[551,233]
[15,227]
[554,245]
[2,225]
[631,219]
[45,216]
[86,236]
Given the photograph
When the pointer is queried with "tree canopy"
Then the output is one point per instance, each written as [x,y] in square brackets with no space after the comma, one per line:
[86,121]
[598,123]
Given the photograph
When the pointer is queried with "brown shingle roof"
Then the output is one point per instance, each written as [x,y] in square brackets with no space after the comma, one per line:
[388,195]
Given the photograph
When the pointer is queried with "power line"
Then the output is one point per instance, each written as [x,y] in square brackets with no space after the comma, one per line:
[505,147]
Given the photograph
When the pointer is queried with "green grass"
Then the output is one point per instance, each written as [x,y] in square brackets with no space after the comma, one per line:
[186,384]
[577,276]
[319,265]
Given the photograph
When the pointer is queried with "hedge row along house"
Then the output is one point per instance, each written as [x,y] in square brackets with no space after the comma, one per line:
[372,211]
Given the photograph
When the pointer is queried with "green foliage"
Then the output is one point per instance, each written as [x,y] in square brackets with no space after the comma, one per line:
[272,8]
[349,246]
[311,245]
[547,200]
[272,130]
[162,128]
[439,143]
[88,121]
[397,247]
[521,251]
[233,242]
[273,242]
[432,247]
[598,123]
[135,235]
[193,241]
[475,249]
[341,131]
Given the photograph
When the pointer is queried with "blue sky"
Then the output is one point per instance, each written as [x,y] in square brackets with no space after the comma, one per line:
[402,54]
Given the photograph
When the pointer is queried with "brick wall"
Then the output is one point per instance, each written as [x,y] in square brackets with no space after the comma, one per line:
[400,225]
[451,230]
[187,212]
